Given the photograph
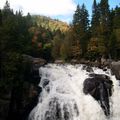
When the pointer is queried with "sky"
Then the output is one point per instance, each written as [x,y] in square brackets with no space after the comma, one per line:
[57,9]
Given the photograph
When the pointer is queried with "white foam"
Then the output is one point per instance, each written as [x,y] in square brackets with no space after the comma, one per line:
[66,92]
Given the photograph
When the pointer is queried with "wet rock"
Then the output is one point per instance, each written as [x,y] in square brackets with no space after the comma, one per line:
[58,112]
[115,68]
[76,109]
[61,111]
[99,86]
[45,82]
[100,76]
[87,68]
[66,113]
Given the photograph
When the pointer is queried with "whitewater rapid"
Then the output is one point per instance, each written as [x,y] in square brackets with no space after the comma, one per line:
[62,96]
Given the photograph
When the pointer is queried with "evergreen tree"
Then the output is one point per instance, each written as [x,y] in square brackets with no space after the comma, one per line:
[105,18]
[116,19]
[112,15]
[113,46]
[95,22]
[105,28]
[7,11]
[84,18]
[80,28]
[13,41]
[77,16]
[80,17]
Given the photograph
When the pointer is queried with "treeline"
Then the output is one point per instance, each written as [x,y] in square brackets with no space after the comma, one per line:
[93,39]
[14,41]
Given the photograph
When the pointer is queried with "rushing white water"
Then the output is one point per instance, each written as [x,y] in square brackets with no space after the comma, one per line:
[62,97]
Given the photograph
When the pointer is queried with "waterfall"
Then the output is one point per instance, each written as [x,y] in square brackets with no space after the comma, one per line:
[62,96]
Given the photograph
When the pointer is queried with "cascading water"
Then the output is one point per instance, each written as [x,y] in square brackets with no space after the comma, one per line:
[62,96]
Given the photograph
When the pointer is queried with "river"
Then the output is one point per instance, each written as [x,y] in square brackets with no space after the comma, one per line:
[62,96]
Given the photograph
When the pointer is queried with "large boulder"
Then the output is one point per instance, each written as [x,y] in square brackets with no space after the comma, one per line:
[115,68]
[99,86]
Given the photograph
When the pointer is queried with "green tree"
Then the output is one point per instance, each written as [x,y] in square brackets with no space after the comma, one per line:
[95,22]
[96,48]
[101,25]
[116,19]
[80,28]
[14,41]
[113,46]
[66,47]
[57,42]
[77,16]
[105,17]
[114,43]
[84,18]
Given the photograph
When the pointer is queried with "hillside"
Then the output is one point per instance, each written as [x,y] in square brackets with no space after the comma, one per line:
[49,23]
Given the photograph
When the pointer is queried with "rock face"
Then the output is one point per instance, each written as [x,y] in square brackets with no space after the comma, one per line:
[37,62]
[99,86]
[23,97]
[115,68]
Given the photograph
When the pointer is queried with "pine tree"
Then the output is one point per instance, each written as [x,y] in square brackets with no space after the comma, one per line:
[105,17]
[116,19]
[77,16]
[95,22]
[116,33]
[80,17]
[7,11]
[84,18]
[113,46]
[80,28]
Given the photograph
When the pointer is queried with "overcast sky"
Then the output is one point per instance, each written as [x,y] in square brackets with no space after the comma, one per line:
[59,9]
